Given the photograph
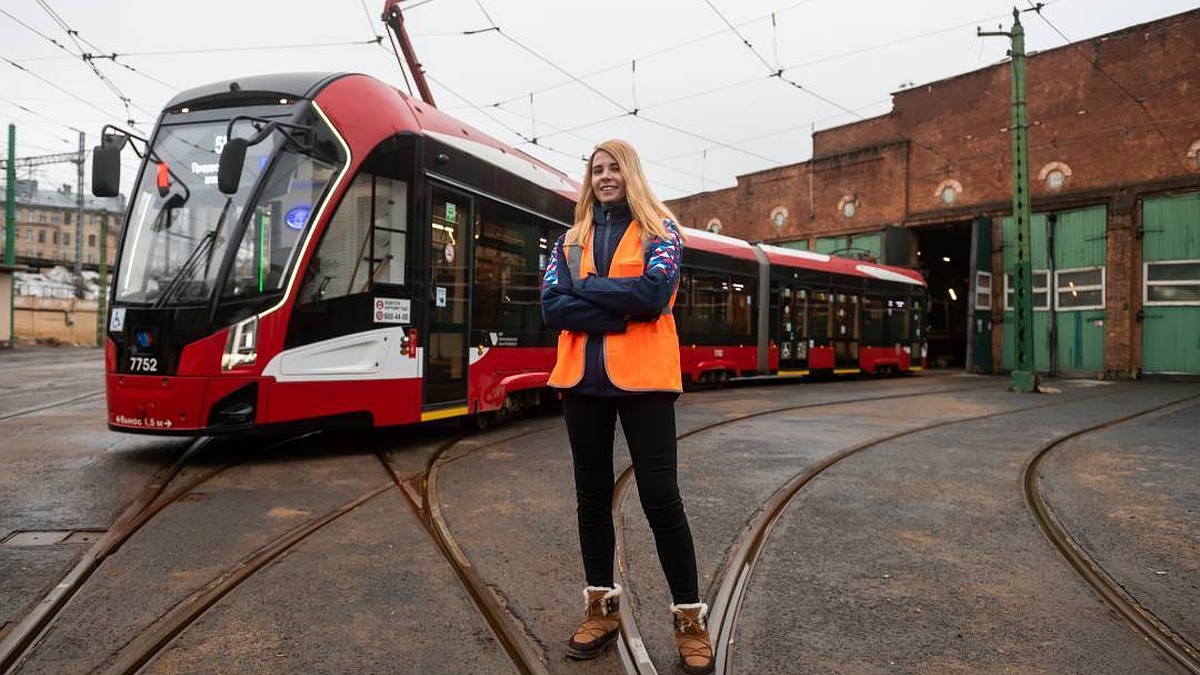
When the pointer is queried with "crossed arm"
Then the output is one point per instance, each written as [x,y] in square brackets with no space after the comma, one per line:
[606,304]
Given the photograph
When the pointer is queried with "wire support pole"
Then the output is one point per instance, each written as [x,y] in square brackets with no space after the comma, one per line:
[78,268]
[10,232]
[1024,377]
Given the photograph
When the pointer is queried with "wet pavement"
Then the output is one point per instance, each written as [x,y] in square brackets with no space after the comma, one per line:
[916,553]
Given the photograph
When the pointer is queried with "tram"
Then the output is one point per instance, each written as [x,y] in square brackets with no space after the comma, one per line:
[320,249]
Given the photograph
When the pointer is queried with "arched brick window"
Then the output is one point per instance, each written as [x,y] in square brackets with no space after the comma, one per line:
[1055,175]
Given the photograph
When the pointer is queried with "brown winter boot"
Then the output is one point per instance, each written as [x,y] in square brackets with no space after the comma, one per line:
[600,625]
[691,638]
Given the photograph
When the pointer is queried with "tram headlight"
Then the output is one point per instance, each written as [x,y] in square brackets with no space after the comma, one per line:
[241,348]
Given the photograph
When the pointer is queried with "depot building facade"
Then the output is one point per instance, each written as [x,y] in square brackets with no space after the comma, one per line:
[1114,166]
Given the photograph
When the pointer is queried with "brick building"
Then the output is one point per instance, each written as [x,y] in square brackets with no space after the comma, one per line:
[46,228]
[1114,164]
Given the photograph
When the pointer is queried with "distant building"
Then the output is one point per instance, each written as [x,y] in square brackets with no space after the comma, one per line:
[1114,166]
[46,226]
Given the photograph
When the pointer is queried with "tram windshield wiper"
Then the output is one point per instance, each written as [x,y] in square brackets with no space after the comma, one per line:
[188,266]
[204,248]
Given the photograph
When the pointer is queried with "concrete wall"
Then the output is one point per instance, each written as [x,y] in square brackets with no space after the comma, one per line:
[6,280]
[56,321]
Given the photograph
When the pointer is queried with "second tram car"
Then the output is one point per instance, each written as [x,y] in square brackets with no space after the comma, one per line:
[322,249]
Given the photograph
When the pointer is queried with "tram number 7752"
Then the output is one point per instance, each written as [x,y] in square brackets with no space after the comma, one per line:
[143,364]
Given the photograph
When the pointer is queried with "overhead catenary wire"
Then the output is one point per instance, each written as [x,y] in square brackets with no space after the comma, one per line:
[613,101]
[824,59]
[643,57]
[37,32]
[485,110]
[224,50]
[1095,63]
[759,78]
[41,117]
[371,23]
[84,55]
[93,106]
[592,142]
[775,71]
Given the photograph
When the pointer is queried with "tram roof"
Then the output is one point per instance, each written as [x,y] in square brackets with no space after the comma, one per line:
[791,257]
[432,122]
[291,85]
[719,243]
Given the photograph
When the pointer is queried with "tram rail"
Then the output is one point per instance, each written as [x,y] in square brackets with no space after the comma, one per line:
[738,568]
[1173,645]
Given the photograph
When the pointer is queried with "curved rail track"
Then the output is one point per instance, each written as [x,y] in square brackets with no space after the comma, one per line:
[24,633]
[524,650]
[155,497]
[634,657]
[421,492]
[738,568]
[1172,644]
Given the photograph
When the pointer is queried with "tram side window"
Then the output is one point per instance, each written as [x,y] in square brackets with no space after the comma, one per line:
[715,308]
[875,320]
[390,235]
[277,225]
[899,326]
[821,316]
[511,250]
[705,312]
[341,266]
[741,306]
[885,320]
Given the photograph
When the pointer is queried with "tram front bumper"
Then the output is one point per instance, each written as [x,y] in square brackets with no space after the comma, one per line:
[155,404]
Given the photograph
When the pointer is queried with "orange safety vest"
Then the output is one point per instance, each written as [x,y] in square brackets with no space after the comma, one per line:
[643,358]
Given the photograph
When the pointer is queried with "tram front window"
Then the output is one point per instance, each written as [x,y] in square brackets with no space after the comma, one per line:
[181,227]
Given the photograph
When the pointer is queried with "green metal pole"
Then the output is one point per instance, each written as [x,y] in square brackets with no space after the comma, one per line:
[10,233]
[1023,377]
[101,308]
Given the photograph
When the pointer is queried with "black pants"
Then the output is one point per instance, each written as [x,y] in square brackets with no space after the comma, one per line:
[649,424]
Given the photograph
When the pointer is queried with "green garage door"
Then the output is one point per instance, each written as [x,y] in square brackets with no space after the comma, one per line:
[1070,299]
[1041,295]
[1171,285]
[851,245]
[1080,247]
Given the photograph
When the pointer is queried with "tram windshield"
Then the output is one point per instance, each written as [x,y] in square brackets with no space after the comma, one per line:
[182,228]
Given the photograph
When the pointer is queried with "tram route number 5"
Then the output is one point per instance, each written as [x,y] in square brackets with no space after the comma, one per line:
[143,364]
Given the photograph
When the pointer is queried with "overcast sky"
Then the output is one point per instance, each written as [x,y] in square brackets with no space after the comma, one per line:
[707,108]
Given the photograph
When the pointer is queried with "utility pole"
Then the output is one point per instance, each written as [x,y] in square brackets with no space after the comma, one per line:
[10,231]
[1024,378]
[79,219]
[101,300]
[76,158]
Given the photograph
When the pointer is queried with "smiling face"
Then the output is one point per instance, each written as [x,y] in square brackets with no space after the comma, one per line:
[607,181]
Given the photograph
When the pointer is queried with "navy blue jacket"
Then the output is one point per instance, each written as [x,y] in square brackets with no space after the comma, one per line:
[598,304]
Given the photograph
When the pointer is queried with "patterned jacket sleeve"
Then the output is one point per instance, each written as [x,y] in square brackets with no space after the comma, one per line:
[562,310]
[644,296]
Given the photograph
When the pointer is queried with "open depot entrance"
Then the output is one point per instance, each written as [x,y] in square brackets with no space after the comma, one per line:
[944,258]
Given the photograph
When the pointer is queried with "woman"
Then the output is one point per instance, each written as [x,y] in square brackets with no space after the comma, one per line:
[609,288]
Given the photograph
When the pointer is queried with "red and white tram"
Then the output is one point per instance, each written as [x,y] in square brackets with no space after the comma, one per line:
[320,249]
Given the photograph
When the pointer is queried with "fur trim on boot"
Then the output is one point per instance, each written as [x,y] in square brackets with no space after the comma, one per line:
[601,622]
[692,639]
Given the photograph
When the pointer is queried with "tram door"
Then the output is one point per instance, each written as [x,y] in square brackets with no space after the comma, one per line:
[449,300]
[846,325]
[793,331]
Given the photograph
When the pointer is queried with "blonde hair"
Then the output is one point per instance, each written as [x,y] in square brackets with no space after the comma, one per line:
[648,210]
